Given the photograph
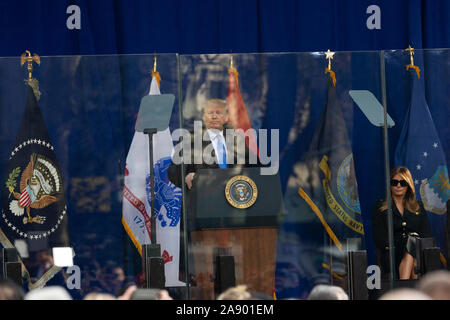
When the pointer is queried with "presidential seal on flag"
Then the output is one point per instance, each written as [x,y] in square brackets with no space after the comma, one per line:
[39,186]
[34,207]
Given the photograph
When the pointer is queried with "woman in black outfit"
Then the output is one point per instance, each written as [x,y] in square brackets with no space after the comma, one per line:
[409,221]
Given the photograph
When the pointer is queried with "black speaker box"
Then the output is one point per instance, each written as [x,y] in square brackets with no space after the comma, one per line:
[421,245]
[151,262]
[357,276]
[157,278]
[10,255]
[225,274]
[13,271]
[431,259]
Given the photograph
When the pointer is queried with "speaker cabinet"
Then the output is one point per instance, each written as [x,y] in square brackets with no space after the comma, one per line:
[153,266]
[13,271]
[431,259]
[225,274]
[10,255]
[155,273]
[357,276]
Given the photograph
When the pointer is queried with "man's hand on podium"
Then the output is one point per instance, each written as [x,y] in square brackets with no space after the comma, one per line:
[189,179]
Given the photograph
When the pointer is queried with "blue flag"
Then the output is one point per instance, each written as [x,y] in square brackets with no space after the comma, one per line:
[420,149]
[311,239]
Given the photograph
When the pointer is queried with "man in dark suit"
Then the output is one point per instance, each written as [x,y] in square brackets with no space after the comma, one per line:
[219,147]
[211,146]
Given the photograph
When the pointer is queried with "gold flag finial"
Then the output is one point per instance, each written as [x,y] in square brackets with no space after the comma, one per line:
[411,54]
[231,62]
[154,64]
[329,55]
[411,65]
[232,69]
[32,82]
[26,57]
[155,72]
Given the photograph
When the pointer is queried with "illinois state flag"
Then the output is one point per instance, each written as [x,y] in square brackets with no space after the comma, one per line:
[420,149]
[34,211]
[136,207]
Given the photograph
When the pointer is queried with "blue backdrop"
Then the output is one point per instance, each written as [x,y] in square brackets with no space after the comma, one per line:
[220,26]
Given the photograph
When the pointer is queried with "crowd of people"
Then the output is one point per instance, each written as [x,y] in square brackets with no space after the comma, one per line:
[432,286]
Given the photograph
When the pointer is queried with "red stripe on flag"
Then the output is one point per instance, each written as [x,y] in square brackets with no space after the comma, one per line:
[24,200]
[139,205]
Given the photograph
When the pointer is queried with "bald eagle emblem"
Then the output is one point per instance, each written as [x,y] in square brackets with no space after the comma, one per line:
[241,192]
[40,182]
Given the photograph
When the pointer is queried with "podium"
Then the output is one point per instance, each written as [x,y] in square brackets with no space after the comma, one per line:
[231,245]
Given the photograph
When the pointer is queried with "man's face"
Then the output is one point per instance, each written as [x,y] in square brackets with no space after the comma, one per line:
[214,117]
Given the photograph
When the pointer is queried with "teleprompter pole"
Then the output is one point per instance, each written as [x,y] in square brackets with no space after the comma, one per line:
[387,174]
[153,263]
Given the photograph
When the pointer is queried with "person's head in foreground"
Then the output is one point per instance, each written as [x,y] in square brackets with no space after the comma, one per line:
[235,293]
[9,290]
[436,284]
[48,293]
[404,294]
[327,292]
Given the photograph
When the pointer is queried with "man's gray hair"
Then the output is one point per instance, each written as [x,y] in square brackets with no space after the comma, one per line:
[327,292]
[216,102]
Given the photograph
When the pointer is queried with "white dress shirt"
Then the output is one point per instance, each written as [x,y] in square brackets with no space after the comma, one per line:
[213,135]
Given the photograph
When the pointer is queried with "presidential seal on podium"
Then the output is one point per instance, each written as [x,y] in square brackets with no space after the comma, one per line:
[241,192]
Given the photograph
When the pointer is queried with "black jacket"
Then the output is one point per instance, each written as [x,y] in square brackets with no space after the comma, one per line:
[174,171]
[402,225]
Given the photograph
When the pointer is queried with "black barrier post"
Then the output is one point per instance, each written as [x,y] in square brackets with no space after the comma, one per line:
[12,268]
[387,174]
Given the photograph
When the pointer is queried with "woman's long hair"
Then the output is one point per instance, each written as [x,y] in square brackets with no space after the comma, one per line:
[409,201]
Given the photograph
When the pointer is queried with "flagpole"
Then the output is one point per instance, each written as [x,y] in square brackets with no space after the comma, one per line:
[124,233]
[183,188]
[387,172]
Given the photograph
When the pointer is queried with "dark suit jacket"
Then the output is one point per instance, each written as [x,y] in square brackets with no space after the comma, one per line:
[175,176]
[174,171]
[402,225]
